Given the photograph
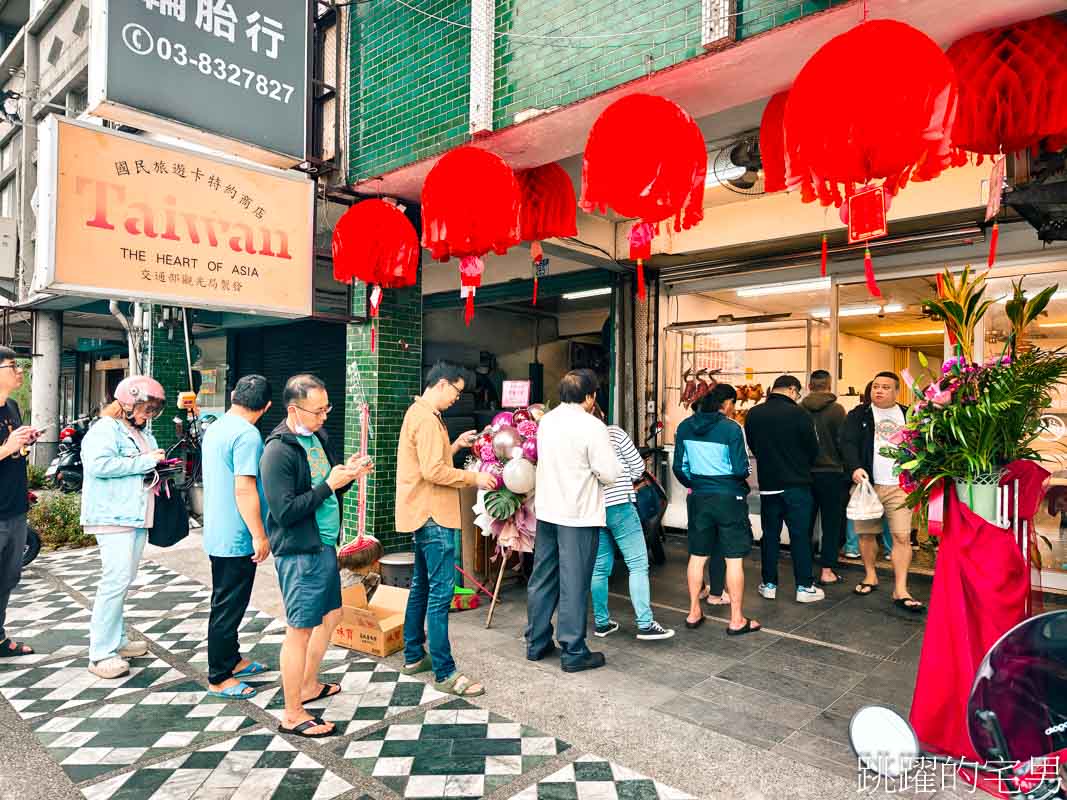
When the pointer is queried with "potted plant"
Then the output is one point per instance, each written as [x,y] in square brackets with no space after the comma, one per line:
[973,419]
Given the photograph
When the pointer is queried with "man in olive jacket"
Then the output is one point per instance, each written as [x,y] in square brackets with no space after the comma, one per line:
[828,487]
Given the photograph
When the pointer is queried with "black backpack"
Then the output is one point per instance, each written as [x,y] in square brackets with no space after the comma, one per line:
[171,522]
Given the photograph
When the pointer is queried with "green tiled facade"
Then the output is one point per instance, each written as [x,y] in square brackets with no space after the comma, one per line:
[386,380]
[540,73]
[410,83]
[170,369]
[759,16]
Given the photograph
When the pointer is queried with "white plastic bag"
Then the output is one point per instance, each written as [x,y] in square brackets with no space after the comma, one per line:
[864,502]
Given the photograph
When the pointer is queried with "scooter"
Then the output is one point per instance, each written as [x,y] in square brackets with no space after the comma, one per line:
[65,471]
[1016,714]
[652,498]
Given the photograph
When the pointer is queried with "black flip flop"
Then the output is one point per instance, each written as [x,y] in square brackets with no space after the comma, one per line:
[694,625]
[902,602]
[746,628]
[871,588]
[6,651]
[325,692]
[307,724]
[837,579]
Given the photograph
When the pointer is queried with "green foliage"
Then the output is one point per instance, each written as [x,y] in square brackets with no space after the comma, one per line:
[502,503]
[35,476]
[57,520]
[1021,312]
[22,394]
[960,305]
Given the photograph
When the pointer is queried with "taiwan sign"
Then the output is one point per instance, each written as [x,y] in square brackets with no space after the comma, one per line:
[121,217]
[231,74]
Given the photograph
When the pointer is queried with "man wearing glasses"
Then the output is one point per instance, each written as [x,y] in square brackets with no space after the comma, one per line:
[303,483]
[14,438]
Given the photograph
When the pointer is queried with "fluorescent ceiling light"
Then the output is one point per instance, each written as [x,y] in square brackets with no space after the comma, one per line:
[817,285]
[1052,325]
[587,293]
[859,311]
[1057,296]
[927,332]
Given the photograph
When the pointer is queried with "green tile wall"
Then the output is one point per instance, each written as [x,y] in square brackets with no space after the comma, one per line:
[169,368]
[410,83]
[535,73]
[758,16]
[387,380]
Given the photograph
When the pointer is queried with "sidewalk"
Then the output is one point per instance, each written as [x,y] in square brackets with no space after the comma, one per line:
[752,717]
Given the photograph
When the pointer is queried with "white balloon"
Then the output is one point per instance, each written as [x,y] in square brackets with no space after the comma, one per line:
[516,452]
[519,475]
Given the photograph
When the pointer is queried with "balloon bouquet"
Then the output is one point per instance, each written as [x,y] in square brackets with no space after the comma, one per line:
[507,448]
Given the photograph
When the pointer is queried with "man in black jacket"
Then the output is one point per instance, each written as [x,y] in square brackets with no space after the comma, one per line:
[303,483]
[827,474]
[782,437]
[867,429]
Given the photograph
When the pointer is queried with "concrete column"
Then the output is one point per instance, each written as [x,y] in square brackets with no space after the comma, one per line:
[27,180]
[45,398]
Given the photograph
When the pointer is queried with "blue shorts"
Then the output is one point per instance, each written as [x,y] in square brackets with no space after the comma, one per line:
[311,586]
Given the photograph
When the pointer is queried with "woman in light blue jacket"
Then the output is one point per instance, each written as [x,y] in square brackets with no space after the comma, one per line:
[117,508]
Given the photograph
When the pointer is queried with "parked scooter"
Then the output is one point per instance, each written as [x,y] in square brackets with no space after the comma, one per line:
[65,471]
[190,431]
[33,540]
[651,496]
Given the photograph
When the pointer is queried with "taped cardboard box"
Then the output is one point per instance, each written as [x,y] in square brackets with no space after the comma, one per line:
[375,627]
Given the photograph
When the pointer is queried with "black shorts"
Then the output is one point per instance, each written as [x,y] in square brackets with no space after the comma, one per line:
[719,521]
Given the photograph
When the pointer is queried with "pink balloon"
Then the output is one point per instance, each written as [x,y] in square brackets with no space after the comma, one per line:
[504,440]
[520,415]
[487,454]
[527,429]
[502,419]
[529,449]
[495,469]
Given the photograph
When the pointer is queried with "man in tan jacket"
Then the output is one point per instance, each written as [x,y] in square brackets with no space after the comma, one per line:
[427,505]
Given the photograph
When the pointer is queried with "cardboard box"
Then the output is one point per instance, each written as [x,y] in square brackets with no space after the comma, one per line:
[375,628]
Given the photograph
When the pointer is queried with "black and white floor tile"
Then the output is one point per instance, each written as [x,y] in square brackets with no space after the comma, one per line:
[36,690]
[258,765]
[456,750]
[370,693]
[593,778]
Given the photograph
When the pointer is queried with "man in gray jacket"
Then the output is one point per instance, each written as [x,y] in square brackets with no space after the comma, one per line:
[575,463]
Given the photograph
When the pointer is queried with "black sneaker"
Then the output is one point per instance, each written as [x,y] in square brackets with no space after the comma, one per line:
[606,630]
[654,631]
[588,661]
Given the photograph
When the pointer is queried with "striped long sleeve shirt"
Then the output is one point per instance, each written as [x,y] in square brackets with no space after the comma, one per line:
[633,467]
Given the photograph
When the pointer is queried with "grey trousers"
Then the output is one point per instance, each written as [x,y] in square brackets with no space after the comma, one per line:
[563,568]
[12,547]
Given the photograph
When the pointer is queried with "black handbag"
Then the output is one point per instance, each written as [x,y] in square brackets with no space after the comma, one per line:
[171,522]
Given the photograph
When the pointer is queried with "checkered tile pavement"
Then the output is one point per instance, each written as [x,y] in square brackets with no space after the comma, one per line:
[594,778]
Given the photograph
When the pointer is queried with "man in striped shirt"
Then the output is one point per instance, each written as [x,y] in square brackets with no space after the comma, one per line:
[624,529]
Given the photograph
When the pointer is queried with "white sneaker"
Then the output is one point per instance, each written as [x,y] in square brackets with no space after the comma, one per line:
[134,649]
[768,591]
[110,668]
[810,594]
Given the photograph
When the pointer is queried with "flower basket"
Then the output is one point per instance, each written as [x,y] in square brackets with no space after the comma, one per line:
[979,493]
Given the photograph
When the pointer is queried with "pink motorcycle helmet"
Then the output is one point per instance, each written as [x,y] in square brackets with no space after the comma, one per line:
[138,389]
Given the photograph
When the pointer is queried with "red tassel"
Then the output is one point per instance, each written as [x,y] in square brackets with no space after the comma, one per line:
[868,270]
[535,291]
[468,313]
[372,332]
[640,279]
[993,243]
[823,264]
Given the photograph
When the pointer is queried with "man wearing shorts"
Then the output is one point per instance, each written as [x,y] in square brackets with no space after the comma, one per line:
[303,483]
[710,459]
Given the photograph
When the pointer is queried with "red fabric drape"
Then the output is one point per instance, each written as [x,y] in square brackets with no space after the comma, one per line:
[980,591]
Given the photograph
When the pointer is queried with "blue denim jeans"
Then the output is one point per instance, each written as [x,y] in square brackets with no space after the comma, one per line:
[852,539]
[120,554]
[624,527]
[430,598]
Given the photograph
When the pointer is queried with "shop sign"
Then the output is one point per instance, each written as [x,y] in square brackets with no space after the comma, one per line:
[866,215]
[124,218]
[516,394]
[233,74]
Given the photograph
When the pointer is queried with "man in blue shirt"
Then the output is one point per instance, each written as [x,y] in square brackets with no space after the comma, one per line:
[234,534]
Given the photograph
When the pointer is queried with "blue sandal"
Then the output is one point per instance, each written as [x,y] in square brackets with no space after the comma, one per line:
[239,691]
[255,668]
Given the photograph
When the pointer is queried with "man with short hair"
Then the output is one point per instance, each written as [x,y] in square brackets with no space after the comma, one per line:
[14,437]
[234,536]
[782,437]
[827,474]
[303,483]
[867,429]
[576,462]
[710,459]
[428,507]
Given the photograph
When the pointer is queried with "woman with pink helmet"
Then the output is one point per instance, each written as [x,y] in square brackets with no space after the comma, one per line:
[118,508]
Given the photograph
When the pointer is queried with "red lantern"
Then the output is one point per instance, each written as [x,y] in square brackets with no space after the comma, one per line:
[1013,86]
[646,159]
[549,208]
[877,102]
[470,205]
[375,243]
[772,143]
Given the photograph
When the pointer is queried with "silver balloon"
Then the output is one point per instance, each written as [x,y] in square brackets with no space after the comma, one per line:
[520,475]
[504,441]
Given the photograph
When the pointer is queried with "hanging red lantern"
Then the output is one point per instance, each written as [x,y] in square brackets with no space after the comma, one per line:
[772,143]
[648,177]
[875,103]
[548,210]
[375,243]
[470,206]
